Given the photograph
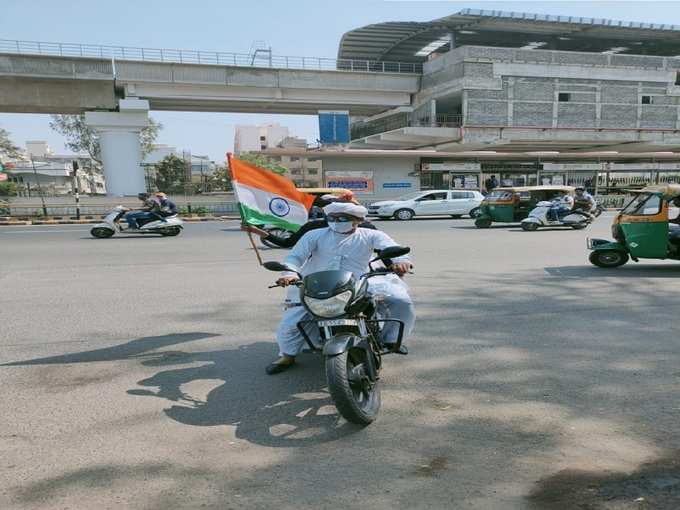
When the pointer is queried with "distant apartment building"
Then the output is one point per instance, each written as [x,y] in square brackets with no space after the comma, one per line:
[303,171]
[257,138]
[39,170]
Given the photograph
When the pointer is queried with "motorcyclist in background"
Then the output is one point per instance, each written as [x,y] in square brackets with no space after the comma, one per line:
[585,202]
[562,205]
[149,210]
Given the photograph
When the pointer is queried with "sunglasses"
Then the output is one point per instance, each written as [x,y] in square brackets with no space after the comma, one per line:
[340,219]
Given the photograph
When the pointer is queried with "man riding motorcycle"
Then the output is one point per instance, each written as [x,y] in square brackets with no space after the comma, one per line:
[584,202]
[150,209]
[341,246]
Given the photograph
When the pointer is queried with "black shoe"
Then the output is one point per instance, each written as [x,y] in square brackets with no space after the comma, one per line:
[402,349]
[277,368]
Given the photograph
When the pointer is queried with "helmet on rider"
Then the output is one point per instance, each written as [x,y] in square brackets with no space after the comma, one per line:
[142,196]
[580,190]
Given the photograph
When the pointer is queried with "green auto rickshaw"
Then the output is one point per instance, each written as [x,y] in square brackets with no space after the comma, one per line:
[641,229]
[513,204]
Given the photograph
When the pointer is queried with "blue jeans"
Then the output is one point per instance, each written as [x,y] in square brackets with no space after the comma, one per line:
[132,217]
[556,212]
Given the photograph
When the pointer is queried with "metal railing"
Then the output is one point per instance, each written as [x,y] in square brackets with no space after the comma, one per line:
[401,120]
[204,57]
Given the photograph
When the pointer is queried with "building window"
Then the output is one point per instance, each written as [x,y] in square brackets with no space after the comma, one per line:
[263,147]
[677,77]
[312,171]
[263,138]
[646,99]
[294,159]
[564,97]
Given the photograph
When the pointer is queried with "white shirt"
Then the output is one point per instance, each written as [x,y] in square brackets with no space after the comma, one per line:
[325,250]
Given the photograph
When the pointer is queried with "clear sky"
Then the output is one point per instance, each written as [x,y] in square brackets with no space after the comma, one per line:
[290,27]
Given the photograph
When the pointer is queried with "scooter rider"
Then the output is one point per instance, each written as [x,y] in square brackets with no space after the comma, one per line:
[167,206]
[150,209]
[562,204]
[341,246]
[584,202]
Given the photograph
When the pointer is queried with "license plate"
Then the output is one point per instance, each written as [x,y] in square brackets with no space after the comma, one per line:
[337,322]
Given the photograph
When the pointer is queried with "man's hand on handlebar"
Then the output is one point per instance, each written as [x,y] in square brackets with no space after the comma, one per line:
[401,268]
[285,281]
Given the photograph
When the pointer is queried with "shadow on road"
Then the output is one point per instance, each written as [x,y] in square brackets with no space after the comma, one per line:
[286,410]
[655,485]
[628,271]
[228,387]
[128,350]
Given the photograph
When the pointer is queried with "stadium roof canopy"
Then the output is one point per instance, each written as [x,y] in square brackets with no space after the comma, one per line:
[413,41]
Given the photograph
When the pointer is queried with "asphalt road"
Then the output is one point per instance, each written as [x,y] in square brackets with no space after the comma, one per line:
[132,375]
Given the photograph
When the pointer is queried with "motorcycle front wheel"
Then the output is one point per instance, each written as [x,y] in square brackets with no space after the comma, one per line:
[101,232]
[349,389]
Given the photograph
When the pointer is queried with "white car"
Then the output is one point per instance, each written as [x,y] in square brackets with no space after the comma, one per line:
[453,203]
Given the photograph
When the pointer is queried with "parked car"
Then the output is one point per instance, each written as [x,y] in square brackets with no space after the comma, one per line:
[454,203]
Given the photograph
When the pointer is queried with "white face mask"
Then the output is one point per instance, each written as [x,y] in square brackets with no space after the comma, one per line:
[341,227]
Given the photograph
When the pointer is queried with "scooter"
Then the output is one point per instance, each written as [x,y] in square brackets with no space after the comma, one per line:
[539,217]
[167,226]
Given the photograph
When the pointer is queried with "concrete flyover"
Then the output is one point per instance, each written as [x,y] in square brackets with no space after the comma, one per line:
[73,84]
[116,87]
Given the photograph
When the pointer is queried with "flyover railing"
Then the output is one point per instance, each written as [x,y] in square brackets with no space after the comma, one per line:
[259,59]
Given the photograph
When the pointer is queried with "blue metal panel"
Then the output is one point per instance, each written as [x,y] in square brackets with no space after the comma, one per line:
[334,127]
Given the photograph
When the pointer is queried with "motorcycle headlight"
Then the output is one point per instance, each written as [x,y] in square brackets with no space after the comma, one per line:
[329,307]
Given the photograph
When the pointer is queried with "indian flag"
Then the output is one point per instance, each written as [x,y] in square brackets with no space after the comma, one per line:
[267,198]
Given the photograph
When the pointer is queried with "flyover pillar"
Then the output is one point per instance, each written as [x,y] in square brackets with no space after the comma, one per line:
[119,138]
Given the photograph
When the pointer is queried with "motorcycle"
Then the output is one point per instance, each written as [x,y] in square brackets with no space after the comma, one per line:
[349,321]
[165,226]
[540,216]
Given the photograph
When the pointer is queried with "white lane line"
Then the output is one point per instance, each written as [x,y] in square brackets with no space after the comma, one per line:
[43,231]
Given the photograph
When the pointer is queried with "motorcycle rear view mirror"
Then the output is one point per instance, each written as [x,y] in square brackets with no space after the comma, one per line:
[392,252]
[279,267]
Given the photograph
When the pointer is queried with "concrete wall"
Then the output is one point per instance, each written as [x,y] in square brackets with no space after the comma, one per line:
[385,170]
[513,87]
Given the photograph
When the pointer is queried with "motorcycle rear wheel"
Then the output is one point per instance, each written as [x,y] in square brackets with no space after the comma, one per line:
[356,403]
[170,231]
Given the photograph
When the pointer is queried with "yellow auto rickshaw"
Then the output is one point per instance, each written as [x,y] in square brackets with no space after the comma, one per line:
[641,229]
[512,204]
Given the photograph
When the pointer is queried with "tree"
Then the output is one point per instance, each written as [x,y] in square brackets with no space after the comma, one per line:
[8,189]
[7,149]
[263,162]
[219,180]
[82,138]
[171,173]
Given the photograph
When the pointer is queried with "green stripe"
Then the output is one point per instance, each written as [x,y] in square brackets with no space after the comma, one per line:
[253,217]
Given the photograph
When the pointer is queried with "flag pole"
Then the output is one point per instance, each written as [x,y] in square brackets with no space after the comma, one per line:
[235,188]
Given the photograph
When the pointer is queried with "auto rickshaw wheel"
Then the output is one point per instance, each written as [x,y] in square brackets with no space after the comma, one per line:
[608,258]
[482,223]
[474,212]
[529,227]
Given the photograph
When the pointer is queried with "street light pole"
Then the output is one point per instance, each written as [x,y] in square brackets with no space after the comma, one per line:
[76,188]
